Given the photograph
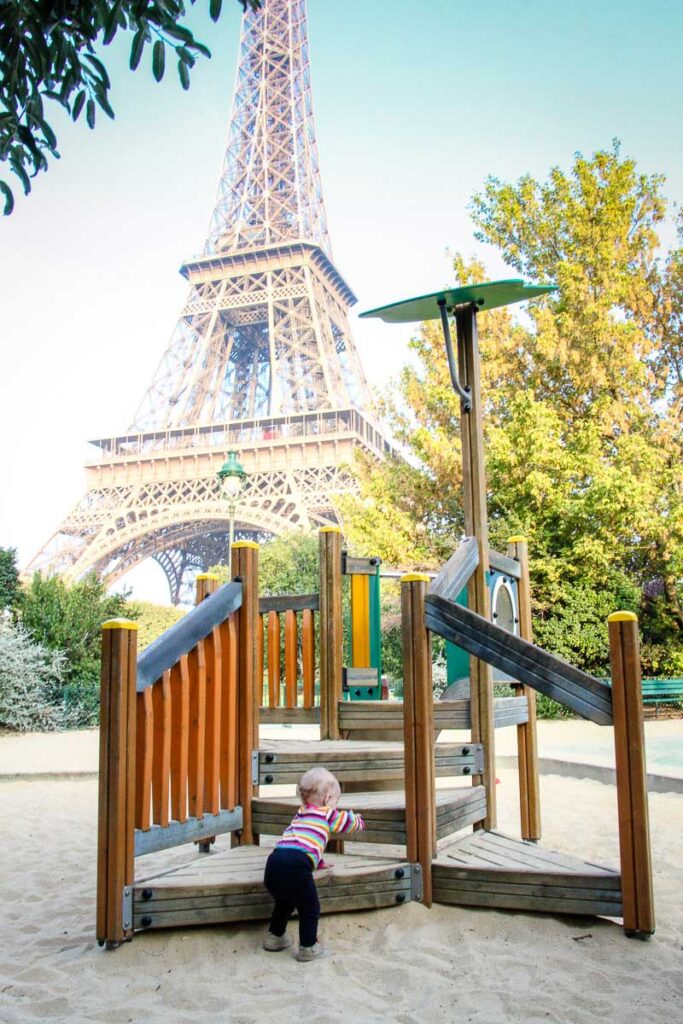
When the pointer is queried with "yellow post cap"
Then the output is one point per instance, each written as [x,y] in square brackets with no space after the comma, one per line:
[246,544]
[416,577]
[517,539]
[330,529]
[622,617]
[119,624]
[207,576]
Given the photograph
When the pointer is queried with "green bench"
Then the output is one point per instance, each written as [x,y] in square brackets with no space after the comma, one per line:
[662,691]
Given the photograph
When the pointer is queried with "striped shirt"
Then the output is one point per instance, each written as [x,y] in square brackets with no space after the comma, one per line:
[312,827]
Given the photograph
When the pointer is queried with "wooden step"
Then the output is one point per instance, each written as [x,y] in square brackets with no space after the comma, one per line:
[384,813]
[488,869]
[228,886]
[448,714]
[282,762]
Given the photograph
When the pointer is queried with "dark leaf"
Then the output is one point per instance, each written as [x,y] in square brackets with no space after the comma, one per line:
[90,113]
[159,60]
[185,56]
[78,104]
[215,9]
[200,48]
[100,68]
[103,100]
[137,48]
[9,198]
[112,23]
[178,32]
[18,169]
[184,75]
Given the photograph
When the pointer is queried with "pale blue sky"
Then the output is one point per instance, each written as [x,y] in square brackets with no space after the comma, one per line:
[416,102]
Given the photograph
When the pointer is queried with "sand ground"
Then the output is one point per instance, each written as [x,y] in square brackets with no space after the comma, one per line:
[406,965]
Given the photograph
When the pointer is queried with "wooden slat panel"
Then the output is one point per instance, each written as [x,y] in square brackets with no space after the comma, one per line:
[195,775]
[291,652]
[260,660]
[308,656]
[289,602]
[144,746]
[273,660]
[228,753]
[161,757]
[180,725]
[212,651]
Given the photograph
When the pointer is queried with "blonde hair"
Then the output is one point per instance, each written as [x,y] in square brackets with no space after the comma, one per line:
[316,785]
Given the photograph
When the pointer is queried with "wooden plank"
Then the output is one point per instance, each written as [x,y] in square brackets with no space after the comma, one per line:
[331,630]
[360,566]
[245,565]
[289,716]
[212,651]
[196,663]
[192,830]
[629,743]
[454,575]
[308,656]
[522,660]
[106,685]
[291,658]
[180,748]
[273,660]
[260,660]
[548,905]
[289,602]
[143,761]
[507,564]
[228,756]
[161,755]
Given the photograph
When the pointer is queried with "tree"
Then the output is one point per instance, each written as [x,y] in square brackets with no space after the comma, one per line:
[287,565]
[152,620]
[47,53]
[583,414]
[68,617]
[9,578]
[30,683]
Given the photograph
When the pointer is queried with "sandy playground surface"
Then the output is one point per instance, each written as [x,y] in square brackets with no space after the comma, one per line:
[404,965]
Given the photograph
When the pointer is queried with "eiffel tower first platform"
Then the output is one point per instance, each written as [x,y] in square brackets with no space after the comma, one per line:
[261,361]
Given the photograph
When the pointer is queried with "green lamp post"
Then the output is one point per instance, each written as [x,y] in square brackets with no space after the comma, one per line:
[231,477]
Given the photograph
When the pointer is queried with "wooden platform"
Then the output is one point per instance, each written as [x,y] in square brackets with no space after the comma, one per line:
[488,869]
[448,714]
[384,813]
[227,886]
[281,762]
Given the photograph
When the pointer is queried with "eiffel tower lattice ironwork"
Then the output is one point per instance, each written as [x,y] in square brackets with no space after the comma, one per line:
[262,359]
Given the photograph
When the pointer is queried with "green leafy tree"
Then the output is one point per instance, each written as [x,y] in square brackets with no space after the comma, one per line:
[582,414]
[287,565]
[47,55]
[152,620]
[68,617]
[9,578]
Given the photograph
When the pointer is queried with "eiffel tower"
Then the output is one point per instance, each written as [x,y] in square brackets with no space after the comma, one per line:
[262,360]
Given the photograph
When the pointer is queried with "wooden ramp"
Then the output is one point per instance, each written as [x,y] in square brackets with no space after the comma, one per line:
[228,886]
[488,869]
[384,813]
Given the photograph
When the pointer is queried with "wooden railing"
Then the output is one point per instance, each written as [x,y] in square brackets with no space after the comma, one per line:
[287,665]
[176,734]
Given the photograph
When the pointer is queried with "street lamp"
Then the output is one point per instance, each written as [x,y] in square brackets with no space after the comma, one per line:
[231,476]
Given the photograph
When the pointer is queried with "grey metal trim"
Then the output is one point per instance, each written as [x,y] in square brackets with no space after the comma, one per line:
[524,661]
[165,651]
[505,564]
[457,570]
[416,883]
[127,908]
[195,829]
[289,603]
[254,767]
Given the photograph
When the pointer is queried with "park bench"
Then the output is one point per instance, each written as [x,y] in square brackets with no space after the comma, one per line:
[662,691]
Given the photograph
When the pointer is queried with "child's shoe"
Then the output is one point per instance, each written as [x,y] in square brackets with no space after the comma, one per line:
[308,953]
[274,943]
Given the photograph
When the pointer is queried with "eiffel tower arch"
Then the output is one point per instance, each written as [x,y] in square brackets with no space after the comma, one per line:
[261,361]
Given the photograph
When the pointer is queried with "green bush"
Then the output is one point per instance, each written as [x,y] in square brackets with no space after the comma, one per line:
[30,683]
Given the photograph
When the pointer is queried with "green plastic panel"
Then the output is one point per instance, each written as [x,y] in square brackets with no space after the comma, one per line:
[486,296]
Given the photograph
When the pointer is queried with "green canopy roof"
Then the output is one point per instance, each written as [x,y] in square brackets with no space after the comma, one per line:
[486,296]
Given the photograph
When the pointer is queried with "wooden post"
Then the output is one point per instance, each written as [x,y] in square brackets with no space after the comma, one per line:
[331,631]
[629,743]
[476,525]
[418,730]
[207,584]
[527,740]
[245,566]
[116,816]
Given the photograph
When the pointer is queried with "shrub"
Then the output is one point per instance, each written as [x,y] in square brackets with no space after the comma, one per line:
[30,683]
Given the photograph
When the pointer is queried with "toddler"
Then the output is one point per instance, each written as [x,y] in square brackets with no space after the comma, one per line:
[290,867]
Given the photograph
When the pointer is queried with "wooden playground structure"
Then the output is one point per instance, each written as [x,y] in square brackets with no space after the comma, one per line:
[182,761]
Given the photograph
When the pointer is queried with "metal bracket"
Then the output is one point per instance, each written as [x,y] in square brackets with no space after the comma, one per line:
[464,393]
[127,908]
[416,883]
[254,767]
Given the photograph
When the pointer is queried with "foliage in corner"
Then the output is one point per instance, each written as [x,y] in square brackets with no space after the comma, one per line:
[9,578]
[47,55]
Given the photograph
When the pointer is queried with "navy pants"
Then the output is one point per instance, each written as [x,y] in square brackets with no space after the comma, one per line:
[289,880]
